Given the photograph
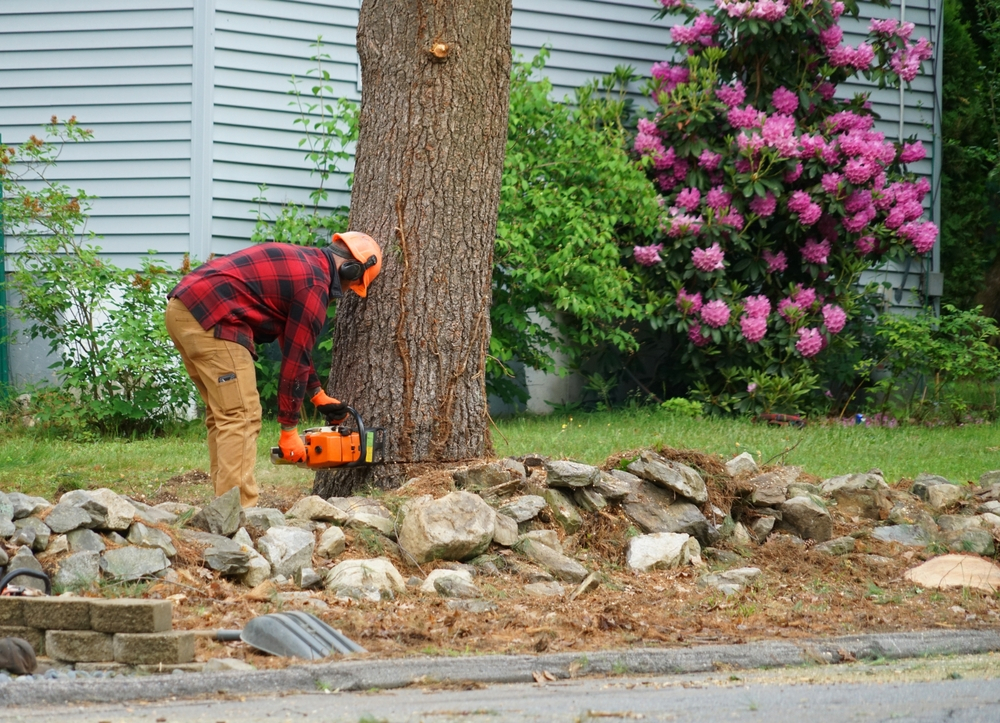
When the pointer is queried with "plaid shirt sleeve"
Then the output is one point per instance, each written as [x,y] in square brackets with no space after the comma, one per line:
[305,319]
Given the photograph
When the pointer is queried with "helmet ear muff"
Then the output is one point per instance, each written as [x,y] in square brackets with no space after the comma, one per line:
[352,269]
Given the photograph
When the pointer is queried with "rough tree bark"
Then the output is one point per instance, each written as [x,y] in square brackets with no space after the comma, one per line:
[411,357]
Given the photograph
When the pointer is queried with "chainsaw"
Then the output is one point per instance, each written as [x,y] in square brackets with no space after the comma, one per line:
[339,445]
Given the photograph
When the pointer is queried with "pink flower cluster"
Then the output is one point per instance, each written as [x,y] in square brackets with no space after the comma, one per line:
[669,75]
[834,318]
[715,313]
[815,252]
[770,10]
[860,58]
[810,342]
[808,210]
[784,100]
[776,262]
[647,255]
[798,304]
[906,62]
[688,303]
[699,33]
[709,259]
[732,95]
[753,323]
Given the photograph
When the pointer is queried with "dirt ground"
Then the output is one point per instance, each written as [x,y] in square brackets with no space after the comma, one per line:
[801,593]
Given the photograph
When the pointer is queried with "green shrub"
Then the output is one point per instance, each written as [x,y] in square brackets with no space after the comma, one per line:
[115,364]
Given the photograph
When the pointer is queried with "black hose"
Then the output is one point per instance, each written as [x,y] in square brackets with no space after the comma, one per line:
[28,573]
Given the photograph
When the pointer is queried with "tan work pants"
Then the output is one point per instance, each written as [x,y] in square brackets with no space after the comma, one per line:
[225,376]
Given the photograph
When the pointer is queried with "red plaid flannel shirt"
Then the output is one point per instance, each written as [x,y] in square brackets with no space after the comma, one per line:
[262,293]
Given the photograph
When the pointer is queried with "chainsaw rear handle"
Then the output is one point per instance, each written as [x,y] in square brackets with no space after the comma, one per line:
[27,573]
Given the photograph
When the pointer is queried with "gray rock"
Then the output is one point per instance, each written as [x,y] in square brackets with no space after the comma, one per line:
[40,530]
[24,537]
[115,539]
[307,578]
[923,483]
[79,571]
[82,499]
[120,513]
[958,523]
[741,535]
[66,517]
[132,563]
[504,530]
[6,529]
[655,509]
[287,549]
[4,559]
[992,506]
[906,512]
[24,560]
[207,539]
[773,496]
[514,466]
[362,520]
[229,562]
[315,507]
[458,526]
[557,564]
[6,508]
[477,607]
[589,584]
[674,476]
[479,477]
[807,518]
[976,542]
[563,473]
[802,489]
[837,546]
[427,586]
[563,511]
[943,496]
[723,557]
[258,570]
[222,516]
[762,527]
[524,508]
[730,582]
[615,485]
[906,535]
[361,505]
[150,515]
[452,586]
[25,506]
[989,520]
[741,465]
[988,479]
[545,589]
[589,499]
[57,545]
[367,579]
[263,518]
[331,543]
[144,536]
[662,550]
[859,495]
[549,538]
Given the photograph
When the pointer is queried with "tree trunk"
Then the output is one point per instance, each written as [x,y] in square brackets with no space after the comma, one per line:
[433,127]
[989,296]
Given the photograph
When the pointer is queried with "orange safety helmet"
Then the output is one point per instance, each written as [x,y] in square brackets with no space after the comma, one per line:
[367,253]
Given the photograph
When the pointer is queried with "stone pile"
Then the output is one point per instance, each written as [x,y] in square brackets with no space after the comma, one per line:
[520,515]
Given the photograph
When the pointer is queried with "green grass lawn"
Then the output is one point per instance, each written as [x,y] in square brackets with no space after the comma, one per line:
[39,464]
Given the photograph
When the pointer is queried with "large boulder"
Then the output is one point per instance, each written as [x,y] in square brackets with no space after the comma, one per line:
[807,518]
[36,533]
[944,496]
[859,495]
[143,536]
[65,518]
[24,506]
[742,464]
[263,518]
[365,579]
[24,560]
[331,543]
[655,509]
[132,563]
[79,571]
[673,476]
[662,550]
[288,549]
[458,526]
[564,512]
[615,485]
[524,508]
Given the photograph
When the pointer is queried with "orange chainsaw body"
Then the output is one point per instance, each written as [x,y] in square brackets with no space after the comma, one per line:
[339,446]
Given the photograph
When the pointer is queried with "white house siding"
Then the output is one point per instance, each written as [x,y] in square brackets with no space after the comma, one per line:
[259,45]
[124,69]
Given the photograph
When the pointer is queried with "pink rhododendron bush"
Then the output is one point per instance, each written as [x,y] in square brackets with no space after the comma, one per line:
[776,194]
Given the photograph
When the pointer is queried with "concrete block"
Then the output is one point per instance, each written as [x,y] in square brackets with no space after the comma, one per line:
[57,613]
[34,636]
[83,646]
[131,616]
[11,611]
[154,648]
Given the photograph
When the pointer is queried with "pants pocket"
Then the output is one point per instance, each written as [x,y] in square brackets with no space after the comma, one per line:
[229,392]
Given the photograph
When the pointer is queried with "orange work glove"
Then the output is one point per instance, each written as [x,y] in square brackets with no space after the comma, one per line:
[333,410]
[291,445]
